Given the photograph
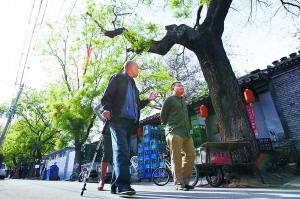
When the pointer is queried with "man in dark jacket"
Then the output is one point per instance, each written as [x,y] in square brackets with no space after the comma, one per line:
[122,107]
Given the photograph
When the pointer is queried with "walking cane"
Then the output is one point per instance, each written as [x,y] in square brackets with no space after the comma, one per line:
[85,177]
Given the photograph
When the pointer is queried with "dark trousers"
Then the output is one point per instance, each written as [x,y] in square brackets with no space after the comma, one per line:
[120,138]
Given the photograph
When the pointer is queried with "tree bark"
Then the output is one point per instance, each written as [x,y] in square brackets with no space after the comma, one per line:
[224,90]
[78,158]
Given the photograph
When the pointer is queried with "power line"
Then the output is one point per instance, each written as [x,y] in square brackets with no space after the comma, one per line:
[70,14]
[30,42]
[24,42]
[38,33]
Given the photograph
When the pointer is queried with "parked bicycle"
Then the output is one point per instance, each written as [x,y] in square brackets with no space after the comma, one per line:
[162,175]
[214,175]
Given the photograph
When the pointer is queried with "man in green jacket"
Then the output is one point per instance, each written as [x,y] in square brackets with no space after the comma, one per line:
[174,115]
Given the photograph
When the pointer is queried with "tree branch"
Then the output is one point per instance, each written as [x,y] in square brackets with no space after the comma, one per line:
[198,17]
[108,33]
[182,34]
[62,64]
[28,122]
[216,14]
[286,3]
[89,127]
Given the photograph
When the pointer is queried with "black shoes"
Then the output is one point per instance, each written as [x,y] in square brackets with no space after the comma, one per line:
[113,189]
[188,187]
[128,192]
[181,188]
[125,192]
[184,187]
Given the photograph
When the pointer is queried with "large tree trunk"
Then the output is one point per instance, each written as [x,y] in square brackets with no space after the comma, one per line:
[223,89]
[78,158]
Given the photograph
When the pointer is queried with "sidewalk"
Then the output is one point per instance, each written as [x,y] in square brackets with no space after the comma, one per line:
[294,184]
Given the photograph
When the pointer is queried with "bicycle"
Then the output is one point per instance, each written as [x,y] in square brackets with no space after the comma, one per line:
[214,174]
[162,175]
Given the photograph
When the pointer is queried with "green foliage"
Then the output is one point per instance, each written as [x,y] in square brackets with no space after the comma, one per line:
[71,113]
[3,109]
[31,136]
[138,42]
[154,77]
[204,90]
[204,2]
[182,9]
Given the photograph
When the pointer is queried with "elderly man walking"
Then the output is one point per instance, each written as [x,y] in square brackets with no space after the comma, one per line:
[122,105]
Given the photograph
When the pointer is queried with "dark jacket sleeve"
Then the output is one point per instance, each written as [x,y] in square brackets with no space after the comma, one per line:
[109,94]
[164,111]
[144,103]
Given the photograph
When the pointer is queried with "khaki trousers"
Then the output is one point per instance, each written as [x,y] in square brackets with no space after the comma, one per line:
[182,165]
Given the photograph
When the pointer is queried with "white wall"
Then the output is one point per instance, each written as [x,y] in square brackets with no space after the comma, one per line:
[64,161]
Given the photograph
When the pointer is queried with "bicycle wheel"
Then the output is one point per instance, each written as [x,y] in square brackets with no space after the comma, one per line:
[81,177]
[215,176]
[195,177]
[161,176]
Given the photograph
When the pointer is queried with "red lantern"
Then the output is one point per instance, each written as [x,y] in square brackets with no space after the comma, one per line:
[249,96]
[139,132]
[203,112]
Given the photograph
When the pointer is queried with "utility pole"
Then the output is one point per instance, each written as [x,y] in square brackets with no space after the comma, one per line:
[11,113]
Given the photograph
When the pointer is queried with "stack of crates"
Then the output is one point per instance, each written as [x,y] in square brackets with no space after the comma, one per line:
[148,148]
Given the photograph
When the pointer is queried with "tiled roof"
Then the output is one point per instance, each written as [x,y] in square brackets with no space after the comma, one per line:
[61,151]
[151,119]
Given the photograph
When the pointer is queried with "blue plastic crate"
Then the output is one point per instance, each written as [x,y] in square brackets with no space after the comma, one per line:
[146,139]
[148,175]
[161,164]
[154,151]
[154,156]
[155,165]
[147,160]
[140,154]
[141,157]
[146,144]
[141,167]
[140,149]
[148,166]
[149,129]
[153,142]
[141,162]
[154,160]
[147,152]
[146,129]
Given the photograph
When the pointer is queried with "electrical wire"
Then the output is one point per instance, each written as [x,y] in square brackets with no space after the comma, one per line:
[70,14]
[24,42]
[30,42]
[37,36]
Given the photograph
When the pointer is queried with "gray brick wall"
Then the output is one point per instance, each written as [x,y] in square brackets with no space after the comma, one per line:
[285,89]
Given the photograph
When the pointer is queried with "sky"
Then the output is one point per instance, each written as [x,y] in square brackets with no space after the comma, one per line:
[250,45]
